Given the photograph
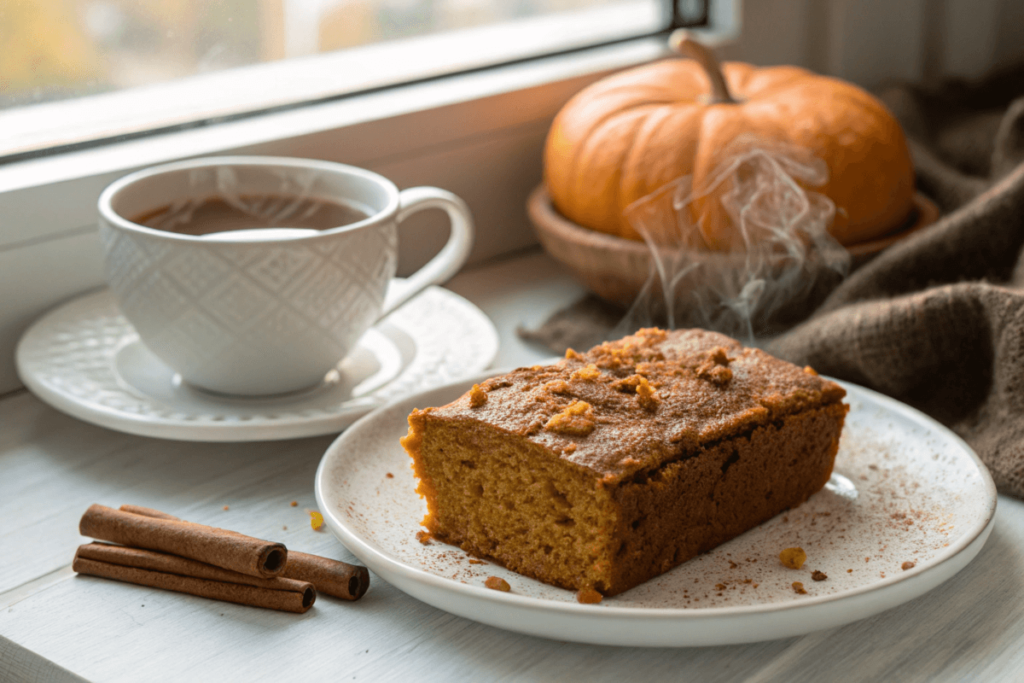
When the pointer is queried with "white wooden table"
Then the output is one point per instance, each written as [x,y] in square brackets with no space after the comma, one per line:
[55,626]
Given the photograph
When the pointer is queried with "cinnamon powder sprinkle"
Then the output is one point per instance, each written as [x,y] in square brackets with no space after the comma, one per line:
[908,565]
[497,584]
[588,596]
[819,575]
[799,588]
[390,476]
[316,520]
[793,558]
[294,503]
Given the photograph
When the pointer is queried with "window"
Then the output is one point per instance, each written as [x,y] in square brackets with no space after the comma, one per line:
[397,107]
[76,71]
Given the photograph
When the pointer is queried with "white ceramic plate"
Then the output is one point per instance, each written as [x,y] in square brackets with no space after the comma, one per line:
[85,359]
[905,490]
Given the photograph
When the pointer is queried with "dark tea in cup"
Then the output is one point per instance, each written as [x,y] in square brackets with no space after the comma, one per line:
[217,214]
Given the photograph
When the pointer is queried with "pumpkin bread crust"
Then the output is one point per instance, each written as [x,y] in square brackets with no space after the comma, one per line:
[613,466]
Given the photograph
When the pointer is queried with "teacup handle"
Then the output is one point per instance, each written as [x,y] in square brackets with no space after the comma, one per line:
[447,261]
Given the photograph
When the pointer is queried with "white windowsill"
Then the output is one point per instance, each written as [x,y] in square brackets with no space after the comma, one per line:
[62,628]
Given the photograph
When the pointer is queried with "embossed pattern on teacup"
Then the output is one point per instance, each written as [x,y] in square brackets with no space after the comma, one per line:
[212,308]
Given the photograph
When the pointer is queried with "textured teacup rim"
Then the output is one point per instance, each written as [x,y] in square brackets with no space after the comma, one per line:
[108,195]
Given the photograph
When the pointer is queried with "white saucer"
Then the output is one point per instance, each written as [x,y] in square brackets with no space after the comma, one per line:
[85,359]
[905,490]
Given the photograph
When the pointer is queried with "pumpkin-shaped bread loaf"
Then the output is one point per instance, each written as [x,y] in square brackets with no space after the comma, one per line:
[628,135]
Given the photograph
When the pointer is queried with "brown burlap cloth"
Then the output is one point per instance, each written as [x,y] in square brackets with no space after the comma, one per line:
[937,320]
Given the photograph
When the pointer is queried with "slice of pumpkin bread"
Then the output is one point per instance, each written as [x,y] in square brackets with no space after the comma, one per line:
[611,467]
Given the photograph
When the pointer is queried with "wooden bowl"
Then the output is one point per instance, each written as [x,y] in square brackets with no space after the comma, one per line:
[616,269]
[924,213]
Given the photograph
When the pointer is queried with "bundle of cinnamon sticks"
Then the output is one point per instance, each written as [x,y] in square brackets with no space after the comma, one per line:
[161,551]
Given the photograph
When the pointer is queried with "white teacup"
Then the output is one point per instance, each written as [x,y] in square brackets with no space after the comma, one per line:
[265,311]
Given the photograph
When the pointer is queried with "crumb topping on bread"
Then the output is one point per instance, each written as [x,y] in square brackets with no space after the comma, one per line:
[577,419]
[615,465]
[477,396]
[633,403]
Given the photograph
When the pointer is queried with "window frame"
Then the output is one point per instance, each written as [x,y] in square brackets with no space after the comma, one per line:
[37,129]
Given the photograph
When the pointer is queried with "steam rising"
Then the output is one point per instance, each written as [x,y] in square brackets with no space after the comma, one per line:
[783,262]
[289,202]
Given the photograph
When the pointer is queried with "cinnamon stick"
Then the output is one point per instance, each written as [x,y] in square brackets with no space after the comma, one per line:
[172,564]
[146,512]
[331,577]
[159,570]
[221,548]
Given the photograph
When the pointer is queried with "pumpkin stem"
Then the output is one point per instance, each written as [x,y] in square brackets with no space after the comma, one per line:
[686,45]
